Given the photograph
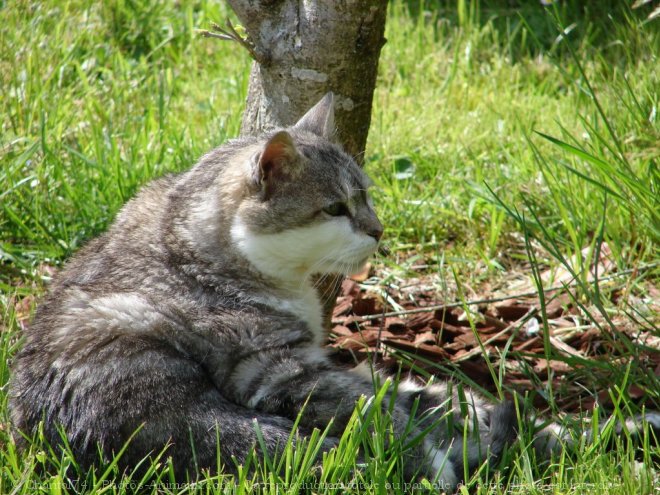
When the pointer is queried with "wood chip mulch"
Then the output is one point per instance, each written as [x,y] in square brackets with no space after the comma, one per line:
[575,360]
[424,324]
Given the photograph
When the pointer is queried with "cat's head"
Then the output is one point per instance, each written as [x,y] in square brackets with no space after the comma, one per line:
[305,208]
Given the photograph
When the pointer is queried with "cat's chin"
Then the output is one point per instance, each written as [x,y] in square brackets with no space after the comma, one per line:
[356,268]
[361,267]
[345,268]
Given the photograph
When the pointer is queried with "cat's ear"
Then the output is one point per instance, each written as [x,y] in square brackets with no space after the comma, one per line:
[320,119]
[277,159]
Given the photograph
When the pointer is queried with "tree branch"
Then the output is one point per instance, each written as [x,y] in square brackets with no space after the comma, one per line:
[230,34]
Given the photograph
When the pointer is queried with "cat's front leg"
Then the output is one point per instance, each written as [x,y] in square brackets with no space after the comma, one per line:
[283,381]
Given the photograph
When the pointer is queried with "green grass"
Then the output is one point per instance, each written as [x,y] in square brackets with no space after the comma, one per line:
[495,145]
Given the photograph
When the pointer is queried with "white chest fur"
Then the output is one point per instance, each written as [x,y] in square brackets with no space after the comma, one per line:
[291,257]
[305,305]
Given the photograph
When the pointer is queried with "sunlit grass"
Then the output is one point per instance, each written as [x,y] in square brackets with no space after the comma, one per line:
[488,126]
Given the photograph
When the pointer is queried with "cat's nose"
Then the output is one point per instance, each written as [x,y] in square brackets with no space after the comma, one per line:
[376,233]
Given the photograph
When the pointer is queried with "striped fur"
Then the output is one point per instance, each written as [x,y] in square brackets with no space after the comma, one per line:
[195,314]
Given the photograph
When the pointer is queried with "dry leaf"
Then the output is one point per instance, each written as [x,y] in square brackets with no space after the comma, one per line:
[342,330]
[426,337]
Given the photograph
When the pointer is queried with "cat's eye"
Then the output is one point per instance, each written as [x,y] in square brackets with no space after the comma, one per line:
[336,209]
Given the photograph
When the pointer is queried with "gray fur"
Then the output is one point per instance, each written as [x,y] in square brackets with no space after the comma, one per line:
[163,323]
[194,313]
[551,438]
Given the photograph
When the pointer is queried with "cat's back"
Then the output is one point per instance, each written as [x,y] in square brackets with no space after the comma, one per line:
[104,290]
[130,242]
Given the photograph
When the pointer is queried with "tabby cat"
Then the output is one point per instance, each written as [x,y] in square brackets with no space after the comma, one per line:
[195,316]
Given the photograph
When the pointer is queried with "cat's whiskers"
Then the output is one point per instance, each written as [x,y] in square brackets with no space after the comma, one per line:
[332,288]
[313,270]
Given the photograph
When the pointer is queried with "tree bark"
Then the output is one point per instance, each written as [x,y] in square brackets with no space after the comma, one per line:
[303,49]
[307,48]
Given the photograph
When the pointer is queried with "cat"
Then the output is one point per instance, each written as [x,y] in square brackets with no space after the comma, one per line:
[195,315]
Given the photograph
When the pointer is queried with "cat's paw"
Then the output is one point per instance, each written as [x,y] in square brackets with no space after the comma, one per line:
[441,470]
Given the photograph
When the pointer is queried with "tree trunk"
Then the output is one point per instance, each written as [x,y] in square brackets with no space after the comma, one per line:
[303,49]
[306,48]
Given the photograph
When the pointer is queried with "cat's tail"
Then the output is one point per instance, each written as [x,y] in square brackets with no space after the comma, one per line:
[463,429]
[551,438]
